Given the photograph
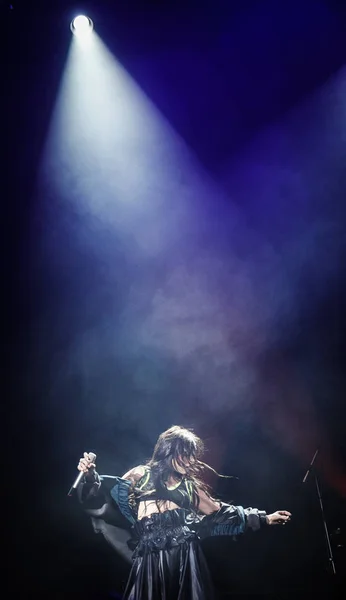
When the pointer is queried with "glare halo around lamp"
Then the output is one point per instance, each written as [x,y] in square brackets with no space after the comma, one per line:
[82,26]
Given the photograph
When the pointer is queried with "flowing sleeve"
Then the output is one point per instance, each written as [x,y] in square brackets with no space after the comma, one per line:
[90,492]
[231,520]
[106,501]
[120,494]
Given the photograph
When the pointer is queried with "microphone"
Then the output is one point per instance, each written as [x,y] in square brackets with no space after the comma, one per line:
[92,458]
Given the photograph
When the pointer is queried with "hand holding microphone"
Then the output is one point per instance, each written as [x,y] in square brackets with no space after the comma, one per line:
[87,465]
[86,468]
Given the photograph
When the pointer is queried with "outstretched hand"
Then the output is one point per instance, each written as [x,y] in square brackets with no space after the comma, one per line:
[280,517]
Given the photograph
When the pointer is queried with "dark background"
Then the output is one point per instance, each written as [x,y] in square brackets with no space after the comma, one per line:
[223,74]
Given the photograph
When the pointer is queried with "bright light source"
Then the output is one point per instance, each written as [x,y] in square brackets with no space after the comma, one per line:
[82,26]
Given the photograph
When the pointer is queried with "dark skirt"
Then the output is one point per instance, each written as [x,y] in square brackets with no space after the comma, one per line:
[168,562]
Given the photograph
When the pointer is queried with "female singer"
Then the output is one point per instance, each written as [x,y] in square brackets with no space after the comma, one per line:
[167,509]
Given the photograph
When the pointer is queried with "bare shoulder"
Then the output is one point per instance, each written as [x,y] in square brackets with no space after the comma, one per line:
[135,474]
[207,504]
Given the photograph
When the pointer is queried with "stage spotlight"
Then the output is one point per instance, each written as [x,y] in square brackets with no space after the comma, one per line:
[82,26]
